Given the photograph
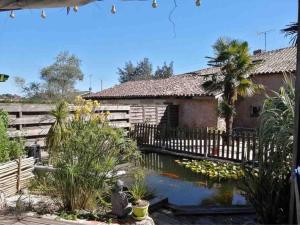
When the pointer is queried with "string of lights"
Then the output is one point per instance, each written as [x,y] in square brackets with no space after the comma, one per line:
[113,10]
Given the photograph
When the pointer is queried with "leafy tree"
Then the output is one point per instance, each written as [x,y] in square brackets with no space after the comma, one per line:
[32,90]
[61,76]
[235,63]
[164,72]
[143,71]
[127,73]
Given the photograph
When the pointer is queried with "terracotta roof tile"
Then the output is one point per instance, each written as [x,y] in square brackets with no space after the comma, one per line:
[189,84]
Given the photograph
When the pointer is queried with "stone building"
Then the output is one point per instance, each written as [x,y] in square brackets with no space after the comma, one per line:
[193,105]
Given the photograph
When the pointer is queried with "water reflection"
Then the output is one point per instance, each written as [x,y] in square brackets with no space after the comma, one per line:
[184,187]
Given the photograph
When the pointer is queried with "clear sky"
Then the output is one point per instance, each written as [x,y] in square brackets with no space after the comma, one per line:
[105,42]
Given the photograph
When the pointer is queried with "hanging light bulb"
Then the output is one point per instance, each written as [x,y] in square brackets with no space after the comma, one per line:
[198,2]
[12,14]
[43,14]
[75,8]
[113,9]
[68,10]
[154,4]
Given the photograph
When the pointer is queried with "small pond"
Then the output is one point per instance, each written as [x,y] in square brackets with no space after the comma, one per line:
[184,187]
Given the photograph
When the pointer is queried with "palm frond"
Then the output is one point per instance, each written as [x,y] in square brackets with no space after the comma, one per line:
[291,30]
[246,87]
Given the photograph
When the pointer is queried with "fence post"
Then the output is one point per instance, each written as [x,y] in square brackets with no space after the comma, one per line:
[19,161]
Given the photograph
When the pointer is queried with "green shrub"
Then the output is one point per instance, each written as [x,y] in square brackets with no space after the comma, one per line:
[267,186]
[9,149]
[86,162]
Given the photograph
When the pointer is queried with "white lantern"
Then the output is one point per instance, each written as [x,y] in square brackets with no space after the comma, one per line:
[75,8]
[12,14]
[154,4]
[43,14]
[113,9]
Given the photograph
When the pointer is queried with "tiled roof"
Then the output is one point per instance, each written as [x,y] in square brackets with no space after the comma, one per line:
[189,84]
[277,61]
[176,86]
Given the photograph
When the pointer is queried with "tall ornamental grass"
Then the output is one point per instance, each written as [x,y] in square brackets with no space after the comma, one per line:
[87,156]
[267,186]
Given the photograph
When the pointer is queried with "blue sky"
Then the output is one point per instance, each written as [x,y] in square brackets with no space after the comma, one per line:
[105,42]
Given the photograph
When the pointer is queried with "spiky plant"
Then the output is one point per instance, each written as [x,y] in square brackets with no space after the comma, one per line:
[57,131]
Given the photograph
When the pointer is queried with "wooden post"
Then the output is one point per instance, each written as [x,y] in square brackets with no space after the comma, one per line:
[296,149]
[223,143]
[19,161]
[20,114]
[218,142]
[238,146]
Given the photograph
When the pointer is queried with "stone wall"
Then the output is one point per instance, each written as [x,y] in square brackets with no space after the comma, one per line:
[245,117]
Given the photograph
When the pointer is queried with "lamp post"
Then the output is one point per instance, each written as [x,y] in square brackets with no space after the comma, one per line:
[3,77]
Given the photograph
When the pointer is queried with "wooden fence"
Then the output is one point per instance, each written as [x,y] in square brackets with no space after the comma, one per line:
[198,142]
[15,175]
[33,121]
[154,114]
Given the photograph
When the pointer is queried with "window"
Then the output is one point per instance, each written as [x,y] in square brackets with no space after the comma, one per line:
[255,111]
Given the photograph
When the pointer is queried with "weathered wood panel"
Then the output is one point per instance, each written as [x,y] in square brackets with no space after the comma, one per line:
[14,175]
[154,114]
[33,121]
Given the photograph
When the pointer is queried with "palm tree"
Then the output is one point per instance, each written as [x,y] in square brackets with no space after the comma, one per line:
[235,63]
[292,31]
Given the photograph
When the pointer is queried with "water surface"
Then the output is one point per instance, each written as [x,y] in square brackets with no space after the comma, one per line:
[185,187]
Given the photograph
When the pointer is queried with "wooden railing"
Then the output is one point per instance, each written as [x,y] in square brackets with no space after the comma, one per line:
[33,121]
[198,142]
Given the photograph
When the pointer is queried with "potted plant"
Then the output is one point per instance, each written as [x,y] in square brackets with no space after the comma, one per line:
[138,192]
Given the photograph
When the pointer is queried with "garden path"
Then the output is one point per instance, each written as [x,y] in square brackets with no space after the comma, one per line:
[29,220]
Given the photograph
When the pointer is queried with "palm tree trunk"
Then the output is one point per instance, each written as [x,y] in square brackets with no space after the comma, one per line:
[228,124]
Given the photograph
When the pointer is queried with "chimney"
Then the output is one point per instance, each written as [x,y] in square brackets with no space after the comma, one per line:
[258,51]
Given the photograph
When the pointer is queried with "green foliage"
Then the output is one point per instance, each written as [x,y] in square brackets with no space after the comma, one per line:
[61,76]
[143,71]
[57,131]
[291,31]
[164,72]
[59,80]
[9,149]
[32,90]
[268,186]
[213,169]
[138,190]
[235,63]
[86,161]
